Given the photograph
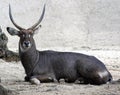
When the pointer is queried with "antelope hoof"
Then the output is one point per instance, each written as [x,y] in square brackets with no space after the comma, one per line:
[35,81]
[27,78]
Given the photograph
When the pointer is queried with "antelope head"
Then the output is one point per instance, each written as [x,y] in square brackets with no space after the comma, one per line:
[26,35]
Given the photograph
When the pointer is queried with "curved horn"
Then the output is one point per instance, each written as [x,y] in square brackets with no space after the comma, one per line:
[11,18]
[40,19]
[0,29]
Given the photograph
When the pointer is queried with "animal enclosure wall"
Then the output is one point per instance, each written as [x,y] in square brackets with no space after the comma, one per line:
[67,24]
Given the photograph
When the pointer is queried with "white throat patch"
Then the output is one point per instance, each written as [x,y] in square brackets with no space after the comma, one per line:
[22,49]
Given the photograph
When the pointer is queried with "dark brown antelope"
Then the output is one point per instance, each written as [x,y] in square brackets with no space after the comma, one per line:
[49,66]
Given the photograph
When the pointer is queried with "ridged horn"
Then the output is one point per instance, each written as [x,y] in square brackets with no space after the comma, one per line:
[40,19]
[11,18]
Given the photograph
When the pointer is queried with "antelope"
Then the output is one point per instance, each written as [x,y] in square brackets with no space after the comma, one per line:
[51,66]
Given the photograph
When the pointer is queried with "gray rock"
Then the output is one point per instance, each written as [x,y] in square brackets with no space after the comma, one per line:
[4,52]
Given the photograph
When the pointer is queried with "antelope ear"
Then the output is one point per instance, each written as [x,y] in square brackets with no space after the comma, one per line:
[12,31]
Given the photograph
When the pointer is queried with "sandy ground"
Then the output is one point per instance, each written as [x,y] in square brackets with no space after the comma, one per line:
[12,79]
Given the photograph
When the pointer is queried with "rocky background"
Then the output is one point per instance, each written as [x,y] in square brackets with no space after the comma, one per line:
[5,53]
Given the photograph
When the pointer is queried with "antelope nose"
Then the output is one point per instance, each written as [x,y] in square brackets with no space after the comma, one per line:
[27,43]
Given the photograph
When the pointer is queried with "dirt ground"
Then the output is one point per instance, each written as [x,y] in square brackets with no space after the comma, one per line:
[12,79]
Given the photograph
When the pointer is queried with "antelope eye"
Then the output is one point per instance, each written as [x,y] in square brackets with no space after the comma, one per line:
[29,35]
[23,35]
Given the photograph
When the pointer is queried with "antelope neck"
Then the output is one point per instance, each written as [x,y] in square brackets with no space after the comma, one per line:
[29,58]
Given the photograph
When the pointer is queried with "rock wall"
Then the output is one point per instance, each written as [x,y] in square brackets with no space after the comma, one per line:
[68,24]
